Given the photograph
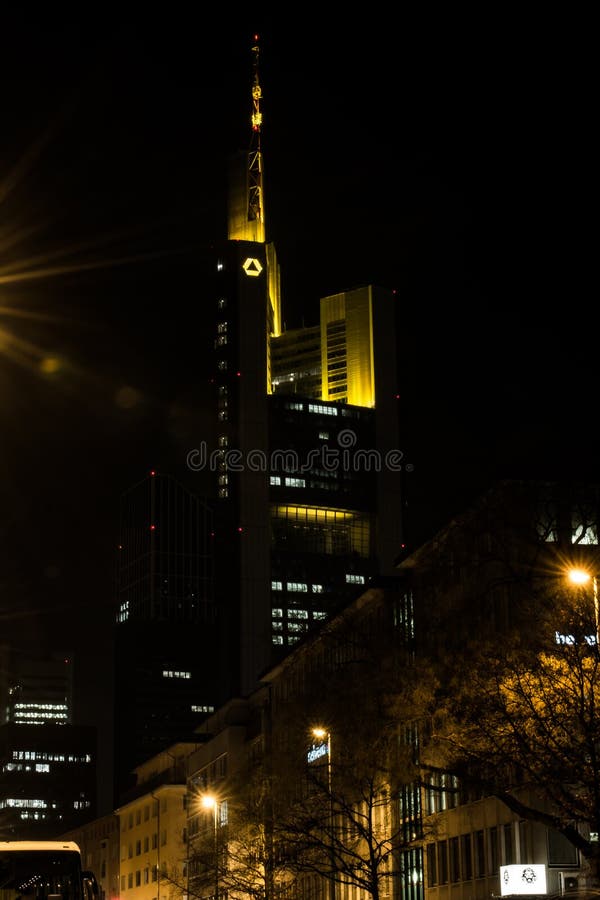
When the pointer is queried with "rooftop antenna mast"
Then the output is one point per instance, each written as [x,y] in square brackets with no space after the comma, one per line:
[256,211]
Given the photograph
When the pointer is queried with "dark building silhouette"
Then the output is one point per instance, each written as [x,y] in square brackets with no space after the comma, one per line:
[166,639]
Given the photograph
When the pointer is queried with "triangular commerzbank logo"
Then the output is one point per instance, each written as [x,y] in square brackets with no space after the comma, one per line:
[252,267]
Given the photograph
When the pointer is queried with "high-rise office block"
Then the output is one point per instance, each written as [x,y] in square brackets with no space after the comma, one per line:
[35,690]
[305,483]
[308,474]
[47,763]
[166,641]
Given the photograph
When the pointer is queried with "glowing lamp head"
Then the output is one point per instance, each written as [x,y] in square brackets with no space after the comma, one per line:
[578,576]
[208,801]
[319,732]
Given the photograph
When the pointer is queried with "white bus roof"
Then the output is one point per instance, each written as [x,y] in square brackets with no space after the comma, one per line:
[39,845]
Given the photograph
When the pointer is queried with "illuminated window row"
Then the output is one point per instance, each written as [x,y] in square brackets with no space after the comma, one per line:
[583,524]
[30,714]
[41,755]
[19,802]
[202,709]
[168,673]
[291,613]
[297,587]
[41,706]
[278,639]
[355,579]
[322,410]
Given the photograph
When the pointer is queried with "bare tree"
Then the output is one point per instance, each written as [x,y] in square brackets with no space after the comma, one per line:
[525,725]
[350,812]
[231,850]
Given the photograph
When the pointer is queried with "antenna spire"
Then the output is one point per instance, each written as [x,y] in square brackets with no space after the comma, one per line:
[256,211]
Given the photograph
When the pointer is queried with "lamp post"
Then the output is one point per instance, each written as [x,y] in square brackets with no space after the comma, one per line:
[324,735]
[211,802]
[581,576]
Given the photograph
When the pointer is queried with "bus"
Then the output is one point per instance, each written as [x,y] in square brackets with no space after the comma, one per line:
[44,870]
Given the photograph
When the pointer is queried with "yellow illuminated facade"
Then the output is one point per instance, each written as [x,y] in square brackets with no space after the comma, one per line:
[246,214]
[347,358]
[152,849]
[329,532]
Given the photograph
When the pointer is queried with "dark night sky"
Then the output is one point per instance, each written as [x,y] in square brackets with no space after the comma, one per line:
[449,159]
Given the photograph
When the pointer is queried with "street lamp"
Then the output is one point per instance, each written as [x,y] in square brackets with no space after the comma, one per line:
[581,576]
[210,802]
[323,735]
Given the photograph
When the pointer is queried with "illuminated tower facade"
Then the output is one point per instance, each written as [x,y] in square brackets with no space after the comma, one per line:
[308,485]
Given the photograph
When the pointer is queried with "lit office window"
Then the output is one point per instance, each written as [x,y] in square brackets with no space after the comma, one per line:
[297,587]
[323,410]
[355,579]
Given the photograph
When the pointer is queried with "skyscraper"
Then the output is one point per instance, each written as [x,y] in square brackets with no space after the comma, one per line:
[308,469]
[305,474]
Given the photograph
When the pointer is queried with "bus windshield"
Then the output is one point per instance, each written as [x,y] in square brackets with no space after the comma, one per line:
[40,874]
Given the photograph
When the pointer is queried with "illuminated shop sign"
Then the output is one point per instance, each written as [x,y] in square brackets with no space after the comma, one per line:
[317,751]
[523,879]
